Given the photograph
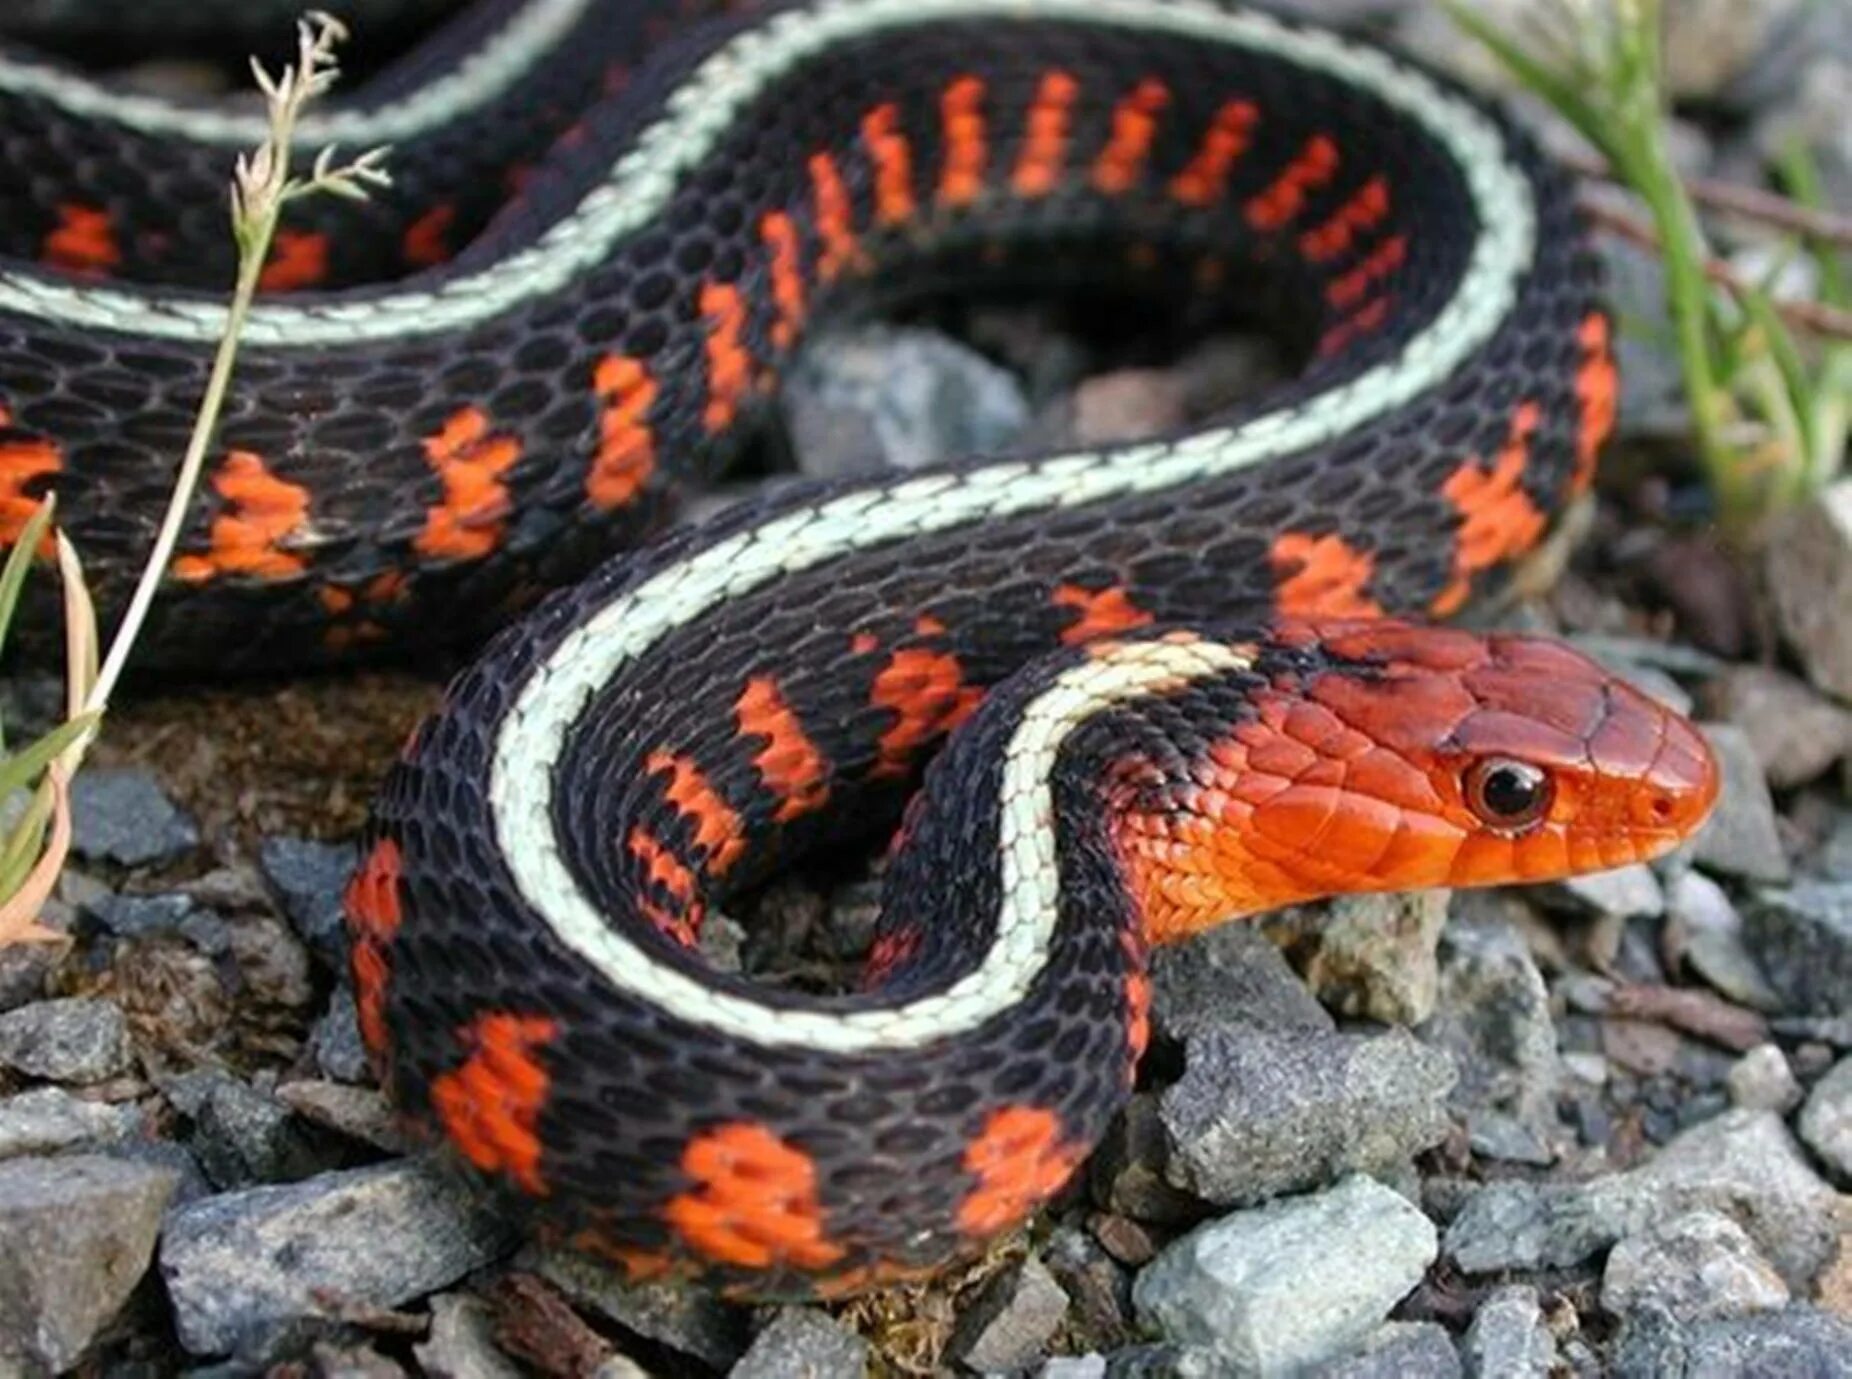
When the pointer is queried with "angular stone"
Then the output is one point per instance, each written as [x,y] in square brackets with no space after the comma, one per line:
[686,1319]
[1705,926]
[803,1343]
[1508,1338]
[462,1341]
[1810,580]
[1230,976]
[1761,1080]
[1741,837]
[1795,733]
[339,1051]
[1399,1350]
[48,1119]
[124,816]
[79,1040]
[1798,1341]
[309,878]
[1701,1264]
[1011,1320]
[1826,1123]
[1368,956]
[240,1135]
[1802,938]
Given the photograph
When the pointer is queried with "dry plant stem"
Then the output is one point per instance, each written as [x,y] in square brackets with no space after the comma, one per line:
[1747,203]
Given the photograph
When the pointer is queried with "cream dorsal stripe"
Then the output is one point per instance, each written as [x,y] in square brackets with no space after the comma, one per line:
[698,115]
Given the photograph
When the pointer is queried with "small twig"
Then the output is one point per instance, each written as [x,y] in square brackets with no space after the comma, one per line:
[1733,198]
[1817,317]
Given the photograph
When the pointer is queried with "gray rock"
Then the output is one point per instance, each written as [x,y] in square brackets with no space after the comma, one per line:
[1508,1338]
[76,1234]
[1099,1290]
[1229,977]
[240,1135]
[1165,1362]
[1073,1367]
[1127,1169]
[339,1052]
[893,397]
[1399,1350]
[78,1039]
[1701,1264]
[1815,116]
[1798,1342]
[1493,1019]
[1706,926]
[462,1341]
[124,816]
[1810,580]
[1620,893]
[23,970]
[1007,1326]
[143,916]
[49,1119]
[686,1319]
[1802,938]
[242,1267]
[359,1113]
[309,878]
[1741,837]
[803,1343]
[1761,1080]
[1711,45]
[1291,1284]
[1259,1114]
[1826,1123]
[1368,956]
[1796,733]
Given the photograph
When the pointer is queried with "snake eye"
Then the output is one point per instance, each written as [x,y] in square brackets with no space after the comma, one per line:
[1507,794]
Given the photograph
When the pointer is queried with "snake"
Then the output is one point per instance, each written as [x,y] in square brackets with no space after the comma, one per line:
[1103,697]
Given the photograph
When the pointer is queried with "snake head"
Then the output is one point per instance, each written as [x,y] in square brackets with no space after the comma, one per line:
[1382,756]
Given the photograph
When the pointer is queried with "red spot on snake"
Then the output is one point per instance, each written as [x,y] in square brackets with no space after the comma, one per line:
[22,461]
[1020,1160]
[1498,519]
[298,259]
[927,692]
[1101,614]
[1362,212]
[427,243]
[835,221]
[716,825]
[679,921]
[1346,291]
[1322,576]
[888,952]
[926,625]
[1044,148]
[729,364]
[371,903]
[967,143]
[754,1203]
[626,446]
[1205,177]
[893,159]
[789,764]
[1134,126]
[1345,333]
[490,1107]
[1597,391]
[264,510]
[864,643]
[84,242]
[779,234]
[1314,166]
[469,460]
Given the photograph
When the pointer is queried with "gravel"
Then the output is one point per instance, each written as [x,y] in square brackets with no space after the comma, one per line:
[124,816]
[77,1040]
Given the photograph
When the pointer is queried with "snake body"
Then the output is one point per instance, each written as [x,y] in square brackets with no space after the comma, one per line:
[1159,724]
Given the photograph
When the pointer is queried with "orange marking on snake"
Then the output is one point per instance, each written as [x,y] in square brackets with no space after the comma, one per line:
[835,218]
[778,232]
[926,625]
[1498,519]
[754,1203]
[1020,1159]
[626,454]
[967,142]
[469,460]
[679,921]
[371,903]
[716,824]
[22,461]
[490,1106]
[1102,613]
[1347,290]
[84,242]
[1364,211]
[789,764]
[264,511]
[427,239]
[1044,149]
[888,952]
[1205,177]
[1597,391]
[298,259]
[729,363]
[1362,322]
[1134,126]
[863,644]
[1313,167]
[927,692]
[1322,576]
[892,156]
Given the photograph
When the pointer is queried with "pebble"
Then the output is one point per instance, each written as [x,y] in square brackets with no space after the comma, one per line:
[1508,1338]
[803,1343]
[694,1322]
[309,877]
[1742,838]
[461,1344]
[49,1119]
[1007,1325]
[1826,1123]
[1761,1080]
[335,1040]
[1128,1166]
[1631,892]
[1810,580]
[1795,732]
[78,1039]
[1258,1114]
[1700,1264]
[1290,1284]
[144,916]
[1399,1350]
[1796,1342]
[1229,977]
[1368,956]
[1099,1291]
[23,970]
[885,397]
[123,815]
[1705,926]
[240,1135]
[76,1234]
[359,1113]
[1802,939]
[243,1266]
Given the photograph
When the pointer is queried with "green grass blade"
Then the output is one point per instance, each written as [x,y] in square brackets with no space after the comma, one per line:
[23,767]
